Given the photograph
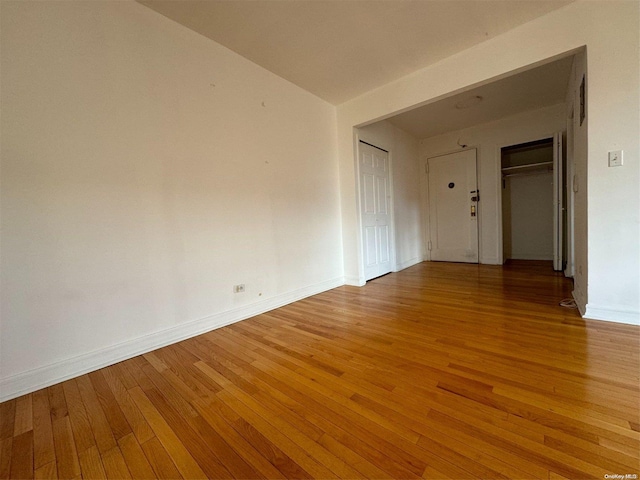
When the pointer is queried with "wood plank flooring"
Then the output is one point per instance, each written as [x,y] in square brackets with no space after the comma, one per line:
[440,371]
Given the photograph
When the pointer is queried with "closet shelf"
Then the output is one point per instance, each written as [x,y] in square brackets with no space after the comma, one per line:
[526,168]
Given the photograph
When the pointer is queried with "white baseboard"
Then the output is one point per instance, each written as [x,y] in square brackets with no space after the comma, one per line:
[526,256]
[355,281]
[42,377]
[408,263]
[595,312]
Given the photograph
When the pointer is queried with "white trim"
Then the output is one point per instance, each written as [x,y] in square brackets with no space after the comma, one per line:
[558,206]
[359,237]
[498,163]
[490,261]
[424,208]
[580,301]
[42,377]
[355,281]
[533,256]
[612,315]
[392,217]
[499,206]
[408,263]
[569,271]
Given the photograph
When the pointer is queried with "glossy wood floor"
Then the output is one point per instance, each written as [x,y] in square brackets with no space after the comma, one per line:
[440,371]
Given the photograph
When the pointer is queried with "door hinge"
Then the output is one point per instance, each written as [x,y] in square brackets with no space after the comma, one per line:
[429,245]
[426,168]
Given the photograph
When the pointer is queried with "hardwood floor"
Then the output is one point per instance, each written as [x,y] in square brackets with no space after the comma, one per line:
[439,371]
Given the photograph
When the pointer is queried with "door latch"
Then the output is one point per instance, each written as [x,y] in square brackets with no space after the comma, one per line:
[473,210]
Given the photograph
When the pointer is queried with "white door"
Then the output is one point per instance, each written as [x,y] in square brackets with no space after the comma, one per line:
[453,207]
[374,208]
[558,205]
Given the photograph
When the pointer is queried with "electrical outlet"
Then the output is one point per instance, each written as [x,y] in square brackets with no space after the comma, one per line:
[238,288]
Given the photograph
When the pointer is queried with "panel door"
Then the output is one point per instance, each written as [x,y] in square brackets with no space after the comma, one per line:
[375,215]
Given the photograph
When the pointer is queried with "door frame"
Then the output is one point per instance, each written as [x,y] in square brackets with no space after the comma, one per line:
[357,138]
[426,210]
[569,160]
[558,206]
[426,216]
[498,166]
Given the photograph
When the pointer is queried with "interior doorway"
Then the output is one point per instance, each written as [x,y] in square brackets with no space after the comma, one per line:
[533,198]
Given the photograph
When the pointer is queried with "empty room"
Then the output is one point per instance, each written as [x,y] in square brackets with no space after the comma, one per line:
[320,239]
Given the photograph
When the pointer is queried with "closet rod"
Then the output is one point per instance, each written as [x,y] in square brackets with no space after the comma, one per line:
[367,143]
[528,166]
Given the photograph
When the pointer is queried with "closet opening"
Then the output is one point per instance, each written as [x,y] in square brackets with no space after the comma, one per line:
[532,201]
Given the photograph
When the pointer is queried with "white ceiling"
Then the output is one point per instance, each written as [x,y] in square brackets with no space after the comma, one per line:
[536,88]
[340,49]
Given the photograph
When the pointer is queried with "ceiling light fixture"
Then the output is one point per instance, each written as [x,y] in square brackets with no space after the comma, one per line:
[468,102]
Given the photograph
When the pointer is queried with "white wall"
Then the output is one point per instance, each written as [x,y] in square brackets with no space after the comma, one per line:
[145,171]
[488,139]
[403,152]
[614,121]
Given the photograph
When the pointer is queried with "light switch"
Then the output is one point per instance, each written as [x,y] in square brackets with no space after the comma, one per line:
[615,158]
